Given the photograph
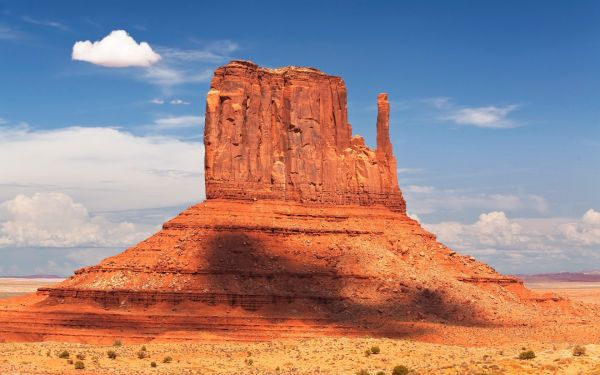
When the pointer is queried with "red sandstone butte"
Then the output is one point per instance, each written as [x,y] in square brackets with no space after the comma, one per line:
[284,134]
[303,233]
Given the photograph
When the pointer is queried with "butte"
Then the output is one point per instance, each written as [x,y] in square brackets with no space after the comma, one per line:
[303,233]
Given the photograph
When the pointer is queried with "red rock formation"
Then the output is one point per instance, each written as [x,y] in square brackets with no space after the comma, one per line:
[283,134]
[294,253]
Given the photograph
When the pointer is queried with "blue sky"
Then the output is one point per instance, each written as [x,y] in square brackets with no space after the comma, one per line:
[494,118]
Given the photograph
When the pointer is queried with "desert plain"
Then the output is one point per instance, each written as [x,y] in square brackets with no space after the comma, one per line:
[327,355]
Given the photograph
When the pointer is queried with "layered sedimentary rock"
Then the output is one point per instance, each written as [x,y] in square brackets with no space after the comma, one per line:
[283,134]
[304,233]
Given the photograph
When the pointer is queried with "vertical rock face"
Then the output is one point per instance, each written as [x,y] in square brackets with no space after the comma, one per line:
[283,134]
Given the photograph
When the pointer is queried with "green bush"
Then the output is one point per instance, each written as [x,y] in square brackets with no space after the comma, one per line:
[579,351]
[79,365]
[375,350]
[152,364]
[400,370]
[529,354]
[167,359]
[380,373]
[117,343]
[111,354]
[63,354]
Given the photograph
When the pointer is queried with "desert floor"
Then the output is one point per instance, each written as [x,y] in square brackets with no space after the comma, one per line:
[332,355]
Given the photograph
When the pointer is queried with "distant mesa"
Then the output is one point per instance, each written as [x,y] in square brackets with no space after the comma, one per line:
[303,233]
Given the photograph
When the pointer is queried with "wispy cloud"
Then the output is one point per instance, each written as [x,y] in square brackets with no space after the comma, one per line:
[53,24]
[178,122]
[444,109]
[179,102]
[483,117]
[8,33]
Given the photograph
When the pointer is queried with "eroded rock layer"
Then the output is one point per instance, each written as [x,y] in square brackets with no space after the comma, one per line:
[304,233]
[283,134]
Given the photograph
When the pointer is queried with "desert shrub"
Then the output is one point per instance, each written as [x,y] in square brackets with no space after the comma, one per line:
[142,354]
[144,348]
[63,354]
[152,364]
[380,373]
[167,359]
[117,343]
[80,356]
[529,354]
[579,351]
[363,372]
[111,354]
[79,365]
[400,370]
[375,350]
[249,361]
[367,353]
[70,361]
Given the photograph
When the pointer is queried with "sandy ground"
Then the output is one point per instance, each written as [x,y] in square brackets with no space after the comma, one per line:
[315,356]
[588,292]
[331,355]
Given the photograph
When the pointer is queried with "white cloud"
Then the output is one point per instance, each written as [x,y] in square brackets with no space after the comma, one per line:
[165,75]
[483,117]
[516,242]
[409,170]
[426,199]
[53,24]
[116,50]
[158,101]
[179,102]
[7,33]
[586,231]
[418,189]
[178,122]
[104,168]
[55,220]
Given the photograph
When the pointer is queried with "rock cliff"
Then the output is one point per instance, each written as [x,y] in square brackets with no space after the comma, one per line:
[283,134]
[284,245]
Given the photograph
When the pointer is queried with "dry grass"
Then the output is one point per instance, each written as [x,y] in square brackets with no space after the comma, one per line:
[315,356]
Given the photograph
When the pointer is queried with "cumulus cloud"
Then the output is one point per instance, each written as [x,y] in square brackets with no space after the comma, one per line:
[525,243]
[586,231]
[483,117]
[55,220]
[158,101]
[116,50]
[104,168]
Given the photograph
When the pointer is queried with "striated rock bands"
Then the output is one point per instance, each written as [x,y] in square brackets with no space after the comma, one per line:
[283,134]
